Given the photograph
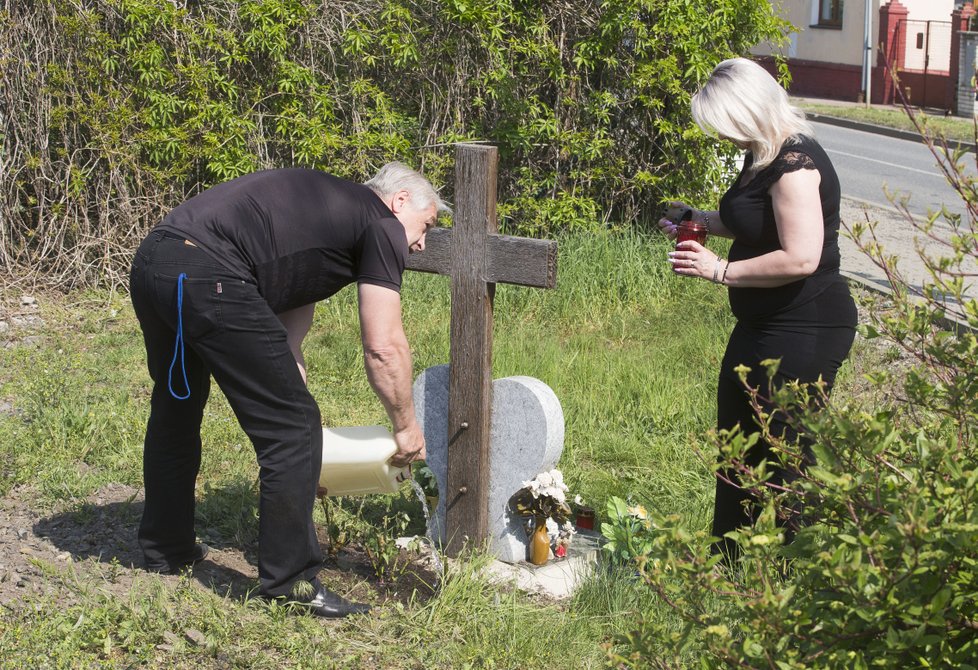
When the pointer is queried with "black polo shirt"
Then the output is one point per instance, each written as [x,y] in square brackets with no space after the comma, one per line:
[301,235]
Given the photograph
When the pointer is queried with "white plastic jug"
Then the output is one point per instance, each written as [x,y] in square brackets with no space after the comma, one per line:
[356,461]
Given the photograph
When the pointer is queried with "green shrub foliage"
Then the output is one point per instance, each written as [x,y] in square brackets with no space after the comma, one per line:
[114,110]
[886,575]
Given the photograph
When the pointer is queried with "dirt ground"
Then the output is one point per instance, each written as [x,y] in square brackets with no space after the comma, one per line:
[97,540]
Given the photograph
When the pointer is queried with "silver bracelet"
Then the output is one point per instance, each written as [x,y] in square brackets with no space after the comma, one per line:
[716,270]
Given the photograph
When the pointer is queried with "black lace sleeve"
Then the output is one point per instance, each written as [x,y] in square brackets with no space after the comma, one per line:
[789,161]
[792,161]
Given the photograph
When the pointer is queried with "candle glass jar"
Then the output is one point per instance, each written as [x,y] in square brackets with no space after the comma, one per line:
[691,230]
[585,518]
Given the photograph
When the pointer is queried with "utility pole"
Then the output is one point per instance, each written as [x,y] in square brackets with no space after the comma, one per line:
[867,53]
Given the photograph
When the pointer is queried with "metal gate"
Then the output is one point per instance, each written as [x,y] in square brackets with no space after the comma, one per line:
[927,56]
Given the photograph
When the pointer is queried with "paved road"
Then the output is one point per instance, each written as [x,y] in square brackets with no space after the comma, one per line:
[867,163]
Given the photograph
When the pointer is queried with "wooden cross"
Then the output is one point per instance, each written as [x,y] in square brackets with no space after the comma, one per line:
[476,258]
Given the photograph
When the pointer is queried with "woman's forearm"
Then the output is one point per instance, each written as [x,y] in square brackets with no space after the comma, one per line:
[775,268]
[711,219]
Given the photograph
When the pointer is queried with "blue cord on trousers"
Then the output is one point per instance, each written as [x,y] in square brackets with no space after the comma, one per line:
[178,347]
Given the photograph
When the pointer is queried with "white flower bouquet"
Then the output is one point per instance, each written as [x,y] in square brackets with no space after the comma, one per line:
[545,498]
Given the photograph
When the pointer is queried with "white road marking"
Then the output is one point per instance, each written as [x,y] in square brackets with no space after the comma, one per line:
[875,160]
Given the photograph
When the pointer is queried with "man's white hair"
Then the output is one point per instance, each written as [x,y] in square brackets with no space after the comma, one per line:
[743,103]
[397,176]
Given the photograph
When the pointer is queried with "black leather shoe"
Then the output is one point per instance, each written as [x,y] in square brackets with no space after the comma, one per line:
[175,568]
[332,606]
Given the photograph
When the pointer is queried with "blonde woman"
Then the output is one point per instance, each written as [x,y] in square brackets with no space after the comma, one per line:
[782,275]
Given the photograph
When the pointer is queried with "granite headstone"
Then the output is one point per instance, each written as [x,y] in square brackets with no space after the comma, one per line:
[526,438]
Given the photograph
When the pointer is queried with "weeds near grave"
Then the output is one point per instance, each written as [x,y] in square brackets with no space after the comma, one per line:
[347,527]
[379,541]
[628,531]
[339,527]
[426,479]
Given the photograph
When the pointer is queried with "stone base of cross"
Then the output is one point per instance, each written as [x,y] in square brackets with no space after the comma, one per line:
[476,257]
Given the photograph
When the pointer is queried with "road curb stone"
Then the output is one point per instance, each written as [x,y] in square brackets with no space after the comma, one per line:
[881,130]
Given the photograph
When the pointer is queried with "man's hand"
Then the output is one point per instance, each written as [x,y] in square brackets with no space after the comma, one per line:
[410,446]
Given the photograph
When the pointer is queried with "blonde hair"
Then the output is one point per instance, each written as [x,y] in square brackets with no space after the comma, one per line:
[743,103]
[397,176]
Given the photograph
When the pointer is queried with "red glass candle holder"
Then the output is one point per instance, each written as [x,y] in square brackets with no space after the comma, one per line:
[690,230]
[585,518]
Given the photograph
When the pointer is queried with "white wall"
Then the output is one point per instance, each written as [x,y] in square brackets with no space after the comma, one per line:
[830,45]
[927,10]
[846,45]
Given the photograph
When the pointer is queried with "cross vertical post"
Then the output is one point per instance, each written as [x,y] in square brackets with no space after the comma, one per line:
[476,257]
[470,379]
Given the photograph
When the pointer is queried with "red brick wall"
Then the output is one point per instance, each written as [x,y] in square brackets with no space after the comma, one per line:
[834,81]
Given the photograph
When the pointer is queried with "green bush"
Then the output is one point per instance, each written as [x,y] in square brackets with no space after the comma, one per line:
[115,110]
[886,573]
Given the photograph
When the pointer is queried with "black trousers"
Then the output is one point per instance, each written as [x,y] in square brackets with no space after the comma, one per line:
[811,342]
[231,333]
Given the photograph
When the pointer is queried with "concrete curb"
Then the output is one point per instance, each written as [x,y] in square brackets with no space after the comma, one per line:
[945,322]
[882,130]
[884,206]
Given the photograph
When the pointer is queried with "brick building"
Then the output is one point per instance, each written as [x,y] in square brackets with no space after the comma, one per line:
[919,40]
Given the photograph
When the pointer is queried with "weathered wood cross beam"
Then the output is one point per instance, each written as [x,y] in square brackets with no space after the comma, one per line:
[476,258]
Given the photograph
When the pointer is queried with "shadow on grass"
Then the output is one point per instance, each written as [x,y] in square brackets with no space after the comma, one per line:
[104,529]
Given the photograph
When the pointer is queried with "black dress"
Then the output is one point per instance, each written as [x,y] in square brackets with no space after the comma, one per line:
[808,324]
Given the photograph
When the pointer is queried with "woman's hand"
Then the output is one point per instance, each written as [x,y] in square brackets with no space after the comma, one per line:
[692,259]
[669,223]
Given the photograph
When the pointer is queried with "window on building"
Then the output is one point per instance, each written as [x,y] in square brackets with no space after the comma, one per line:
[830,13]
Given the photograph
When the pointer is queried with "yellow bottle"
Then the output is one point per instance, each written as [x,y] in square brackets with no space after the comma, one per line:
[356,461]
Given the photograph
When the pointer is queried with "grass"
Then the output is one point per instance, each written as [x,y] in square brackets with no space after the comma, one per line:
[630,350]
[470,624]
[895,117]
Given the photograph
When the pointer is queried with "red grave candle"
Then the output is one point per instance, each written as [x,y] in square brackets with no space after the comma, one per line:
[689,230]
